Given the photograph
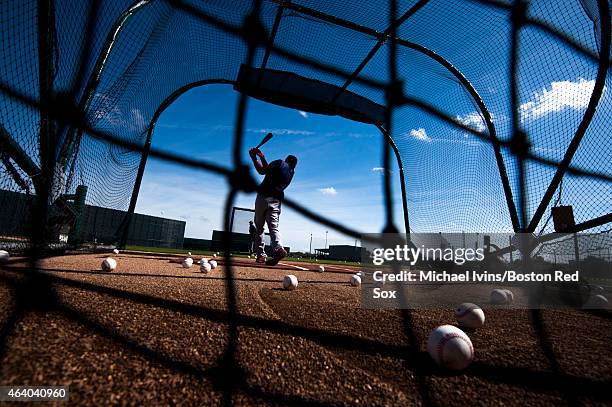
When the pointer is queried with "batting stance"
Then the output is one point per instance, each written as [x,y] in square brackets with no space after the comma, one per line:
[278,176]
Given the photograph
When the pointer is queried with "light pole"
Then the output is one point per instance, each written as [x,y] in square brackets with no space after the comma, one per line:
[310,251]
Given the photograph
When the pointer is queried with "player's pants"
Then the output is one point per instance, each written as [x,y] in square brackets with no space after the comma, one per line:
[267,210]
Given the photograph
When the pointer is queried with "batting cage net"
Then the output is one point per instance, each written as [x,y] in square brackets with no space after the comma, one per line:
[496,112]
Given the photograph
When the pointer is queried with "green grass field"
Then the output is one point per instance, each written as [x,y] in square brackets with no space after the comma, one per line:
[169,250]
[210,253]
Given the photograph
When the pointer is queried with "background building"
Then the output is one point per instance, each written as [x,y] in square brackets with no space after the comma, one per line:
[341,252]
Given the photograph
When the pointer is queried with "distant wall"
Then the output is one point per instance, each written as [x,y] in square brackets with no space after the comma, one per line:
[345,252]
[240,241]
[197,244]
[14,214]
[99,224]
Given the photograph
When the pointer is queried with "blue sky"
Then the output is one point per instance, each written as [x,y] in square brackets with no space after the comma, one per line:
[338,173]
[452,179]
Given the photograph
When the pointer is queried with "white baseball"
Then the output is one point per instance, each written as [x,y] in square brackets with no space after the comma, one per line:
[189,254]
[203,260]
[509,296]
[450,347]
[290,282]
[469,315]
[321,269]
[360,274]
[205,268]
[213,264]
[499,297]
[188,262]
[109,264]
[355,280]
[4,256]
[116,251]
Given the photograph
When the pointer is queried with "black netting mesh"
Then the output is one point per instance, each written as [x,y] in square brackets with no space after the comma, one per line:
[116,63]
[119,63]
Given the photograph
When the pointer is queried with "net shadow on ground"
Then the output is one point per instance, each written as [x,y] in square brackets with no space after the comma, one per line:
[414,359]
[195,276]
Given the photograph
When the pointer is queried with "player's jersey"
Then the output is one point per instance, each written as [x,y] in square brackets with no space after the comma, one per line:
[278,177]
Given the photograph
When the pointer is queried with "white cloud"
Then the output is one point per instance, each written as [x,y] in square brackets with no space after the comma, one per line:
[303,114]
[107,112]
[420,134]
[282,131]
[380,169]
[473,120]
[560,95]
[361,135]
[349,134]
[137,120]
[547,150]
[328,191]
[105,109]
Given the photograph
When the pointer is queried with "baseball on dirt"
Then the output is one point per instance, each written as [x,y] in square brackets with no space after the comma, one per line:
[188,262]
[290,282]
[189,254]
[213,264]
[116,251]
[205,267]
[203,260]
[450,347]
[321,269]
[109,264]
[469,315]
[355,280]
[4,256]
[499,297]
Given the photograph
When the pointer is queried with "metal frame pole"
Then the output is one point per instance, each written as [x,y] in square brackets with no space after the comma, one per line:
[402,179]
[46,27]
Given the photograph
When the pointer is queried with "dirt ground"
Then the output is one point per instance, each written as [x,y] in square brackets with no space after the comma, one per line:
[154,333]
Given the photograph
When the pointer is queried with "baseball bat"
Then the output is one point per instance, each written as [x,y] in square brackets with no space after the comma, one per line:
[265,140]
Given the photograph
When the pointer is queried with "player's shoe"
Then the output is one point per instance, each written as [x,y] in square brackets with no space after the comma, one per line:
[260,259]
[279,254]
